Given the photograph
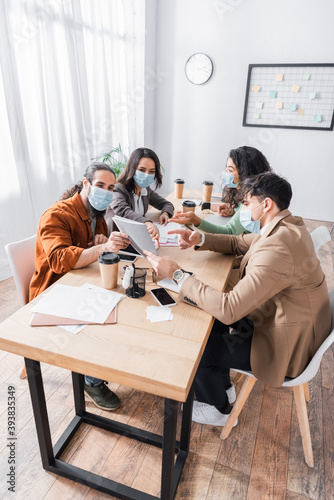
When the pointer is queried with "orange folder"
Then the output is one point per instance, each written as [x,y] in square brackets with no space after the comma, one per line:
[39,319]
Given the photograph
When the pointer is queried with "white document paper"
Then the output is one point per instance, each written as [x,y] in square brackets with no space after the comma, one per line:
[88,286]
[159,313]
[163,230]
[170,285]
[87,303]
[138,233]
[72,328]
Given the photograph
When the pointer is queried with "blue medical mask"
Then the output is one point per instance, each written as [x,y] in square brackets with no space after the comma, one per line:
[100,198]
[143,180]
[253,226]
[228,180]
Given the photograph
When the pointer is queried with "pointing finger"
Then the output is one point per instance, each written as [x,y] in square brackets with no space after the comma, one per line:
[151,256]
[178,231]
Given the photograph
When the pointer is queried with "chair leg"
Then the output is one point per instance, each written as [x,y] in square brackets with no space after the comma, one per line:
[306,392]
[298,392]
[238,377]
[238,406]
[23,373]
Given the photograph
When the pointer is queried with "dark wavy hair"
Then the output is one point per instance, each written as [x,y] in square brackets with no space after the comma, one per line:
[249,161]
[269,185]
[89,174]
[126,177]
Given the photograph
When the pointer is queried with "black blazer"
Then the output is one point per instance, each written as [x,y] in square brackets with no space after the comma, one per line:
[123,205]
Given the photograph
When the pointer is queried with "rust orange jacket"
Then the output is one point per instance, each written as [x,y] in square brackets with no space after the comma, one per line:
[64,231]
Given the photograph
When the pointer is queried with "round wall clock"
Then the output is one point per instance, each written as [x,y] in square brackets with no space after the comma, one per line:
[199,68]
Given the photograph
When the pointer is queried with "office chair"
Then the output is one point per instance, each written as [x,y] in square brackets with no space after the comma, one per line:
[21,256]
[320,236]
[298,384]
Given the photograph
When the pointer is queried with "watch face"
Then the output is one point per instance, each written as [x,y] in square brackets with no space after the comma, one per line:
[199,68]
[178,275]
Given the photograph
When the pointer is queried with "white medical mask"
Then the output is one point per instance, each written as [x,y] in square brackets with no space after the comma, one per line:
[100,198]
[228,180]
[142,179]
[253,226]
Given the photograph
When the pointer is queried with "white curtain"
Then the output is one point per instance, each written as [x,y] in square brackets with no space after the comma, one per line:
[70,71]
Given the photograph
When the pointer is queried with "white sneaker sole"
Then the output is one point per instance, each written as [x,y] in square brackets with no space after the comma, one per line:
[214,423]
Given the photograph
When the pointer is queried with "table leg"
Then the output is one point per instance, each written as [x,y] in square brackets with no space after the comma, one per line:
[37,395]
[78,393]
[186,421]
[168,449]
[171,469]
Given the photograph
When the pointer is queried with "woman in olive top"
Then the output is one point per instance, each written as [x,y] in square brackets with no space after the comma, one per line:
[242,162]
[133,192]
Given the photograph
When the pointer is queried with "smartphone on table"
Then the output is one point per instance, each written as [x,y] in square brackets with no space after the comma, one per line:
[125,257]
[163,297]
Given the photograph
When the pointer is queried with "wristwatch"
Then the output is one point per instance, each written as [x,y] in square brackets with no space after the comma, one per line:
[178,275]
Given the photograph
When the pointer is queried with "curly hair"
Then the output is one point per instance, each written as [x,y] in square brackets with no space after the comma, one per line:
[249,161]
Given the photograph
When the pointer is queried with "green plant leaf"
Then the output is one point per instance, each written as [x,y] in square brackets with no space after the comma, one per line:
[109,158]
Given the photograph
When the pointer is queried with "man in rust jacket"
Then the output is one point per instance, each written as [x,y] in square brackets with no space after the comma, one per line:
[71,234]
[278,303]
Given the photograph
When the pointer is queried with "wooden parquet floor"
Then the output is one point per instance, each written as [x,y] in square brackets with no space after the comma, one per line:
[261,459]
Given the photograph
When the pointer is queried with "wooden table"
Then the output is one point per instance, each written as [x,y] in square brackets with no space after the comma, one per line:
[159,358]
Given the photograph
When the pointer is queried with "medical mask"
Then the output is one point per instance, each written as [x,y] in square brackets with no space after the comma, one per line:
[143,180]
[228,180]
[100,198]
[253,226]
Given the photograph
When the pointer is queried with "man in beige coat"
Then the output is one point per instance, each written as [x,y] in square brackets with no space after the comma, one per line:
[278,304]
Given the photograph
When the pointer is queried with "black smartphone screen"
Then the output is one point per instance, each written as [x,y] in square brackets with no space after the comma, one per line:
[163,296]
[131,250]
[127,258]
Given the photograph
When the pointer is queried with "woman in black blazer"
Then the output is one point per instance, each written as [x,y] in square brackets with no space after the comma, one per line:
[133,194]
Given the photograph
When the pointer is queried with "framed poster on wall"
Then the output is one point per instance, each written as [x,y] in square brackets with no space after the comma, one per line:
[290,96]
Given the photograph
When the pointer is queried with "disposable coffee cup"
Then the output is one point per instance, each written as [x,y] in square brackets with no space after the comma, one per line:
[207,190]
[108,262]
[188,206]
[178,188]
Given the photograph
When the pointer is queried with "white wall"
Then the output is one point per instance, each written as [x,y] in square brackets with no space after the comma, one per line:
[196,126]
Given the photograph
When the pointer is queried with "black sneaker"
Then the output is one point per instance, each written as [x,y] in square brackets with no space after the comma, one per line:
[102,397]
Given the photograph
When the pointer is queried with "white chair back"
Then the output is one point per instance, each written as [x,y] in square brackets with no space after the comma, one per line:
[21,256]
[320,236]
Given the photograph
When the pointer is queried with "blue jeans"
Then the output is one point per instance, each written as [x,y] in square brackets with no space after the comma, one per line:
[92,381]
